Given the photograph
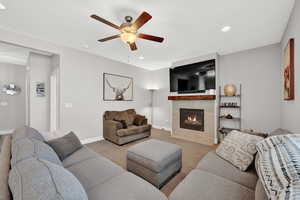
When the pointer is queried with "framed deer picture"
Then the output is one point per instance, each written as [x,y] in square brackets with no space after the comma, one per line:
[117,87]
[288,73]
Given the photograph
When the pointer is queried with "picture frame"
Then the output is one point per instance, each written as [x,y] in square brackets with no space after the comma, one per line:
[117,87]
[289,71]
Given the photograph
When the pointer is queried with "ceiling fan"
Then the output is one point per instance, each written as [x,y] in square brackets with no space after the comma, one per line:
[129,31]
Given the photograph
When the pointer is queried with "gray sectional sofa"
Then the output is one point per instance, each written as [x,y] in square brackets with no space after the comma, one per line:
[217,179]
[99,177]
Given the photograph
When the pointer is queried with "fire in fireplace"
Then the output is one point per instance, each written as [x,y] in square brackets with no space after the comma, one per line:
[192,119]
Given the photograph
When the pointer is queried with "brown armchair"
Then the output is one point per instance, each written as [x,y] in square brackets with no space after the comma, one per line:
[114,130]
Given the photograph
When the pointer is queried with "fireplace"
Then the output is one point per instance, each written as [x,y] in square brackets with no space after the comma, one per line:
[192,119]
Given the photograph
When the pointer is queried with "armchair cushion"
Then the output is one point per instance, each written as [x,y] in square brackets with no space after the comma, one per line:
[123,122]
[132,130]
[140,120]
[127,115]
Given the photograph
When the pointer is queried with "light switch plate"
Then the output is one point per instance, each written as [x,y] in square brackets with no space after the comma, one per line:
[68,105]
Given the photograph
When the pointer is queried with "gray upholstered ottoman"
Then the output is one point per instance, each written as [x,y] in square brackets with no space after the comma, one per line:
[155,161]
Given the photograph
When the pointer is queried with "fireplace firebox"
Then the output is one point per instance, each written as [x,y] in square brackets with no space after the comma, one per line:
[192,119]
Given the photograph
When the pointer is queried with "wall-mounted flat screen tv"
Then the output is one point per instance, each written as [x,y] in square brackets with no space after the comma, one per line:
[193,78]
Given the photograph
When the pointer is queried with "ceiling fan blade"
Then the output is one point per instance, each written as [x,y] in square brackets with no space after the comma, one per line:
[150,37]
[133,46]
[141,20]
[109,38]
[105,21]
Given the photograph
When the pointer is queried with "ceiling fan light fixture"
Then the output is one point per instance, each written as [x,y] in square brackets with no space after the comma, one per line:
[128,37]
[2,7]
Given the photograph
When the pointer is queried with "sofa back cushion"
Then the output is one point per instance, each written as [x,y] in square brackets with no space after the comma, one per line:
[280,131]
[26,148]
[39,179]
[4,168]
[27,132]
[127,115]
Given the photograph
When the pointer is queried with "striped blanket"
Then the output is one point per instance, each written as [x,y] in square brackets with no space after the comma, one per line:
[278,166]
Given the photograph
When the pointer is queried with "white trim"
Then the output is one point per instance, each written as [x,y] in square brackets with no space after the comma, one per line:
[91,140]
[6,132]
[161,127]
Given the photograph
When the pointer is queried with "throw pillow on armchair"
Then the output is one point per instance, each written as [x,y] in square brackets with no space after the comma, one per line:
[140,120]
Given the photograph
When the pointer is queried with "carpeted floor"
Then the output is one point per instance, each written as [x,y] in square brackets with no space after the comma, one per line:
[192,154]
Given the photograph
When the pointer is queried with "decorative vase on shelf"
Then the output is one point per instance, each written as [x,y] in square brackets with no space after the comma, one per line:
[230,90]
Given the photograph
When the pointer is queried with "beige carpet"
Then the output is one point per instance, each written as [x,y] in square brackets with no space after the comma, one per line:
[192,154]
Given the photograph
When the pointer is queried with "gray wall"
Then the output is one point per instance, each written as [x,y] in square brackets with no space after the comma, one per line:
[13,114]
[258,70]
[81,85]
[290,110]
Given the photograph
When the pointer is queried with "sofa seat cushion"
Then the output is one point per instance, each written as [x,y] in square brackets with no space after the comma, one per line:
[133,130]
[125,187]
[28,148]
[154,154]
[78,156]
[95,171]
[216,165]
[33,179]
[202,185]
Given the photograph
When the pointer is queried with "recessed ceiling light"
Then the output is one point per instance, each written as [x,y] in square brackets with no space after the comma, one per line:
[226,29]
[85,46]
[2,7]
[141,58]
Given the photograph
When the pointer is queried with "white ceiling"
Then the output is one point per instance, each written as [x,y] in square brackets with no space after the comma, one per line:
[191,28]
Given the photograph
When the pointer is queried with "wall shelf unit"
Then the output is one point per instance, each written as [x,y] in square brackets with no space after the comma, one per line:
[233,110]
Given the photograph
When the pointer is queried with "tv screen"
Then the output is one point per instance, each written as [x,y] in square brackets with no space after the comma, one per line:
[193,78]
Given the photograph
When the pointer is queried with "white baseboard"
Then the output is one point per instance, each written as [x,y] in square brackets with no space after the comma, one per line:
[6,132]
[161,127]
[91,140]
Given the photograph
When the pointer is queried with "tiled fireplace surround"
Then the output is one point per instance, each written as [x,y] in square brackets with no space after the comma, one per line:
[205,137]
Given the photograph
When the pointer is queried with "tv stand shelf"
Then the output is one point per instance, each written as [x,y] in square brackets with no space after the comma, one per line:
[192,97]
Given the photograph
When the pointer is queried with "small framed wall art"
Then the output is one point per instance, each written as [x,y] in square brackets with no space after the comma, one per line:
[288,72]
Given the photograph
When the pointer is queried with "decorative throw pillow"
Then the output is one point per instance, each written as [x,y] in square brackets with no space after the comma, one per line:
[140,120]
[39,179]
[122,115]
[27,148]
[123,122]
[239,149]
[65,145]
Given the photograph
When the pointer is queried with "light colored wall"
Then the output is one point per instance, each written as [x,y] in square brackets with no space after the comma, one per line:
[161,104]
[40,71]
[81,85]
[290,114]
[12,108]
[258,70]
